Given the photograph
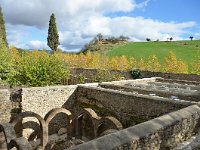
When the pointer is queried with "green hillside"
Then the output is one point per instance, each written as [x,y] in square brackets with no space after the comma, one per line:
[184,50]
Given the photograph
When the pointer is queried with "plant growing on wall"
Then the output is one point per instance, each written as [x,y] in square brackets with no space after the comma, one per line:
[103,75]
[81,78]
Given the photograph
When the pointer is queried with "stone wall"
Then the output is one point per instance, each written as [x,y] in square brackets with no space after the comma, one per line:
[5,105]
[42,99]
[36,99]
[164,132]
[183,94]
[189,77]
[127,107]
[90,73]
[9,106]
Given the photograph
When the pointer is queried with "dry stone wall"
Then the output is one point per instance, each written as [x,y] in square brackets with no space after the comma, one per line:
[8,106]
[42,99]
[5,105]
[125,106]
[188,77]
[90,73]
[164,132]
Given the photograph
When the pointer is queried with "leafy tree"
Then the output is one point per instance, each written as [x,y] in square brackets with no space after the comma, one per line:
[171,38]
[123,38]
[153,63]
[191,38]
[5,61]
[53,36]
[124,63]
[196,66]
[148,39]
[2,29]
[99,36]
[171,64]
[142,64]
[132,63]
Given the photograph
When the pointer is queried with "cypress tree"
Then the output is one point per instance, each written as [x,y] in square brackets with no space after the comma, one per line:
[2,29]
[53,37]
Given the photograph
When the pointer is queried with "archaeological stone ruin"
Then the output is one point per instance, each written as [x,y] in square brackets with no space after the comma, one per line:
[150,113]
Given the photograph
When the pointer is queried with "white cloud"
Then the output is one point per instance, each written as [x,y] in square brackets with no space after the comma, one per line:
[197,36]
[137,28]
[16,34]
[37,12]
[37,45]
[143,4]
[79,21]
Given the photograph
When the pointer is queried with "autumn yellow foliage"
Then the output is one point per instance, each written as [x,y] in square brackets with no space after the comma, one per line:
[196,67]
[153,64]
[142,64]
[173,65]
[101,61]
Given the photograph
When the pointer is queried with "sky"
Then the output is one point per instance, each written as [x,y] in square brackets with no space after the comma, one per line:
[79,21]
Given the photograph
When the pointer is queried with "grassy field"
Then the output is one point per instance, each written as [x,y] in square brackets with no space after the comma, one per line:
[187,51]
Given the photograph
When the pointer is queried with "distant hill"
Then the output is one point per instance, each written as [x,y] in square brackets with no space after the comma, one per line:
[103,44]
[184,50]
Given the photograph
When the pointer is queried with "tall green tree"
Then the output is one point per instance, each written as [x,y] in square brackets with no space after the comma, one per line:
[53,36]
[2,29]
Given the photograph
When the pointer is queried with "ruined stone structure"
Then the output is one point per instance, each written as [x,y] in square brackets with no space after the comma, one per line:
[151,113]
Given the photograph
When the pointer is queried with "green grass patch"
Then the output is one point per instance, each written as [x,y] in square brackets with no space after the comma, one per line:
[187,51]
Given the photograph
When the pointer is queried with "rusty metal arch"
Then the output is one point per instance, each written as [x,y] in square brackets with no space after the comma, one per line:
[52,113]
[43,127]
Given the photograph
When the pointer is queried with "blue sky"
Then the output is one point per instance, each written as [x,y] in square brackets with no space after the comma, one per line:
[79,21]
[173,11]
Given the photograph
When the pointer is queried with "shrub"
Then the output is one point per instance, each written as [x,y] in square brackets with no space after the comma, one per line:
[153,63]
[132,63]
[81,78]
[196,66]
[39,69]
[103,75]
[171,64]
[142,64]
[135,73]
